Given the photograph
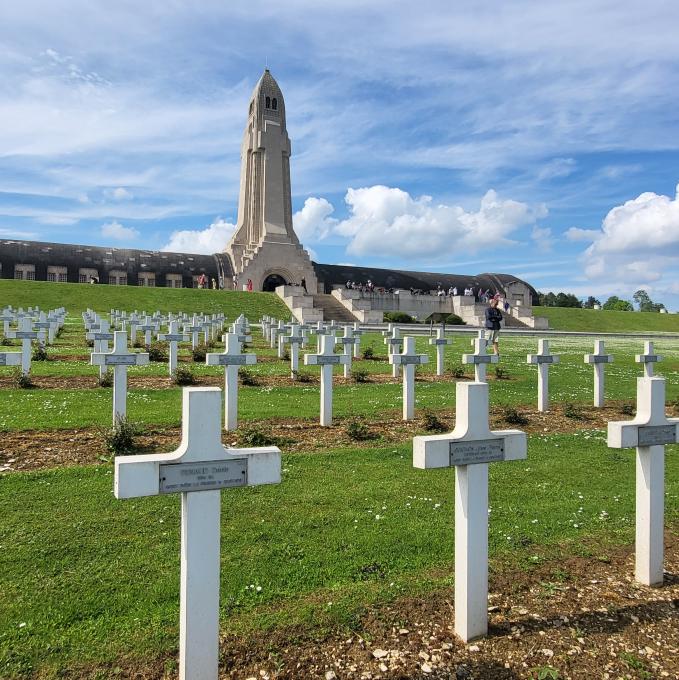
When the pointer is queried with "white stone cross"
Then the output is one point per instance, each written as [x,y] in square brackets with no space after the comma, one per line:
[231,358]
[440,341]
[357,345]
[198,469]
[543,359]
[173,337]
[147,328]
[6,317]
[648,358]
[282,330]
[326,359]
[469,448]
[26,334]
[480,359]
[119,360]
[101,339]
[194,328]
[394,342]
[408,359]
[649,432]
[273,333]
[348,341]
[599,359]
[10,358]
[42,325]
[295,340]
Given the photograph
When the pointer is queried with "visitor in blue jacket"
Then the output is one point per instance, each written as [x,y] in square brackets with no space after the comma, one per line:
[493,320]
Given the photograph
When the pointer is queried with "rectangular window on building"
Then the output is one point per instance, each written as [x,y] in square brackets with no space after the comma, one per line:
[57,274]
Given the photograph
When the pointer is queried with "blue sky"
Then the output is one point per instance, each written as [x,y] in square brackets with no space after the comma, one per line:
[539,139]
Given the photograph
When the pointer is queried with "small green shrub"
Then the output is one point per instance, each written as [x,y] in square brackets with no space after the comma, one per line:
[286,355]
[458,372]
[628,409]
[360,376]
[90,343]
[39,354]
[513,417]
[157,351]
[119,439]
[455,320]
[21,380]
[255,436]
[6,342]
[368,353]
[304,377]
[198,353]
[432,423]
[106,379]
[358,431]
[399,317]
[572,411]
[247,378]
[501,373]
[183,375]
[137,344]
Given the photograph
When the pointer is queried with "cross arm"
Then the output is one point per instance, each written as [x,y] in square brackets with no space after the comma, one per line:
[434,451]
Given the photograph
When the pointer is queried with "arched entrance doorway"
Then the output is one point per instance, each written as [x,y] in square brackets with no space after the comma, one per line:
[272,282]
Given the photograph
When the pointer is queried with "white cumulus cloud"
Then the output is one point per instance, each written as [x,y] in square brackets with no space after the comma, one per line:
[313,221]
[117,231]
[637,245]
[210,240]
[388,221]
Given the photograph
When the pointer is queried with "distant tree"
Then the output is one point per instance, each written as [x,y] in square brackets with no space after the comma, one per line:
[590,302]
[643,299]
[559,300]
[617,305]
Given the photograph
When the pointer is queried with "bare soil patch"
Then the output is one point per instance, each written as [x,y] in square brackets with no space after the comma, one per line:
[585,618]
[43,449]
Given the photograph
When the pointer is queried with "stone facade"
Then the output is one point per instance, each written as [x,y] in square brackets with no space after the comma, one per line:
[264,247]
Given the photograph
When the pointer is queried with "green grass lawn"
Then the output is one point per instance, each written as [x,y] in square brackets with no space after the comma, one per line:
[88,579]
[604,321]
[77,297]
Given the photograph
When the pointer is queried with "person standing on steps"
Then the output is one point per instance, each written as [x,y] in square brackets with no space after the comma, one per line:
[493,321]
[303,284]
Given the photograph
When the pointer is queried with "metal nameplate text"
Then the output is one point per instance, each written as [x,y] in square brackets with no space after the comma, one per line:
[600,358]
[204,476]
[657,435]
[232,360]
[120,360]
[405,361]
[479,451]
[328,360]
[544,359]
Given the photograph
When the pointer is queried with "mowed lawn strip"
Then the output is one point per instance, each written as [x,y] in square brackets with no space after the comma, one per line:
[608,321]
[87,578]
[77,297]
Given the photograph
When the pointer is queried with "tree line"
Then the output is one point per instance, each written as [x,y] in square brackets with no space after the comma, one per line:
[641,298]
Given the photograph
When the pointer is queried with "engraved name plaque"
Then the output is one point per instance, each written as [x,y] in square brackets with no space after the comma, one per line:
[405,361]
[657,435]
[203,476]
[480,451]
[121,360]
[600,359]
[3,360]
[230,360]
[545,360]
[394,341]
[328,360]
[439,341]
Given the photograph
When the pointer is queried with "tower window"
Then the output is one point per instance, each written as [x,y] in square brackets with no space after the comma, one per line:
[251,107]
[268,102]
[274,103]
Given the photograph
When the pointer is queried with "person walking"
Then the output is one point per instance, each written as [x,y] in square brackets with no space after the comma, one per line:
[493,320]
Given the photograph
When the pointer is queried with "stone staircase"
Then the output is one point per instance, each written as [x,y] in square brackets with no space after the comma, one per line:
[333,310]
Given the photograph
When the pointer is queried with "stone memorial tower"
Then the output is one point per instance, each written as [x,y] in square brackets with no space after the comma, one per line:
[264,247]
